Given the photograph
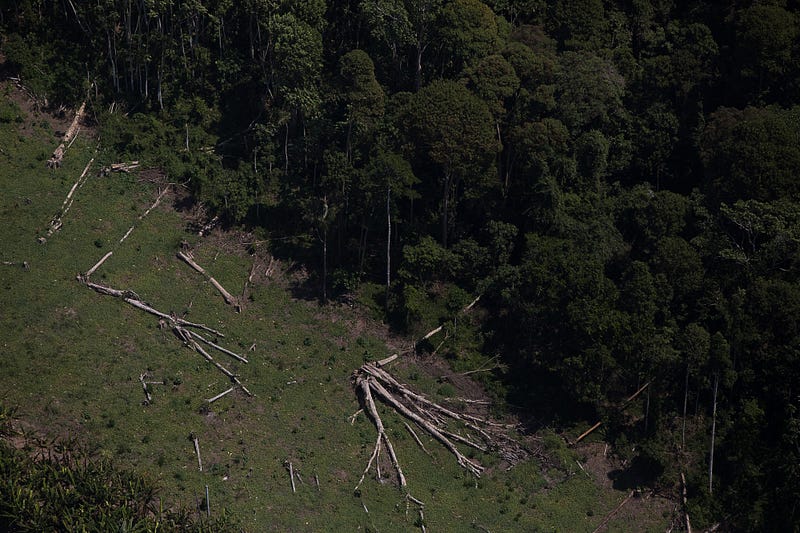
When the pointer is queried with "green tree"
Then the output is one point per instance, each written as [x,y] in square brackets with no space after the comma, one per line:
[468,32]
[452,128]
[766,37]
[752,153]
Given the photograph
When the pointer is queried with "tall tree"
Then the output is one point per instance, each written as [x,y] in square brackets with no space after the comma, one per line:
[452,128]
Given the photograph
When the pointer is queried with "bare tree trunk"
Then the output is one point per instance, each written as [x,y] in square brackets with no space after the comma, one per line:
[713,434]
[325,265]
[388,245]
[445,208]
[685,401]
[418,70]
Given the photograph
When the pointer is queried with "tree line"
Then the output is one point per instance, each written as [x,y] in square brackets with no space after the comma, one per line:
[619,180]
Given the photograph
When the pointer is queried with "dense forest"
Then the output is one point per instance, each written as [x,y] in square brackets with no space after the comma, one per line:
[618,180]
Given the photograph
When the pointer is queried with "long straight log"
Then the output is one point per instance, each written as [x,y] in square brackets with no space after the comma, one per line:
[229,298]
[147,212]
[633,396]
[148,398]
[434,331]
[686,521]
[131,298]
[218,347]
[291,476]
[387,397]
[197,451]
[211,360]
[610,515]
[220,395]
[72,132]
[97,265]
[56,222]
[587,432]
[624,404]
[366,387]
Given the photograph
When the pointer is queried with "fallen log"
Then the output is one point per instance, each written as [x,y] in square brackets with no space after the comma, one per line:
[291,475]
[91,271]
[686,521]
[197,451]
[187,337]
[628,400]
[220,395]
[58,155]
[436,330]
[229,298]
[148,398]
[121,167]
[178,326]
[56,222]
[147,212]
[218,347]
[610,515]
[133,299]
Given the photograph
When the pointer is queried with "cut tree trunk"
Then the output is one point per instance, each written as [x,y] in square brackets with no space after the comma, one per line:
[612,513]
[229,298]
[72,132]
[56,222]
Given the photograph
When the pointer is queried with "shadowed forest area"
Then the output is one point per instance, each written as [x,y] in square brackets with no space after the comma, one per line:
[619,182]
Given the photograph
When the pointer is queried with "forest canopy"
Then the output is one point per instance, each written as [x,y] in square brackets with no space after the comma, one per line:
[620,181]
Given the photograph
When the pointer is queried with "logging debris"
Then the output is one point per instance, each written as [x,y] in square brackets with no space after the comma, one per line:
[220,395]
[178,325]
[373,382]
[24,264]
[148,398]
[288,465]
[436,330]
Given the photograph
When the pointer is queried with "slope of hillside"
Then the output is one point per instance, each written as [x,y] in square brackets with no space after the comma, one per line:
[74,361]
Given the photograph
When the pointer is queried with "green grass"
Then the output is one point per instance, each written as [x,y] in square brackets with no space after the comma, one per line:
[71,362]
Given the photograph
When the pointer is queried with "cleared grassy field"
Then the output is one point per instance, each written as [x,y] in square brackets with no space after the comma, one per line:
[72,358]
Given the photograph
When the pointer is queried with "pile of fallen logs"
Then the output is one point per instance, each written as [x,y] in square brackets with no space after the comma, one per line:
[374,382]
[179,326]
